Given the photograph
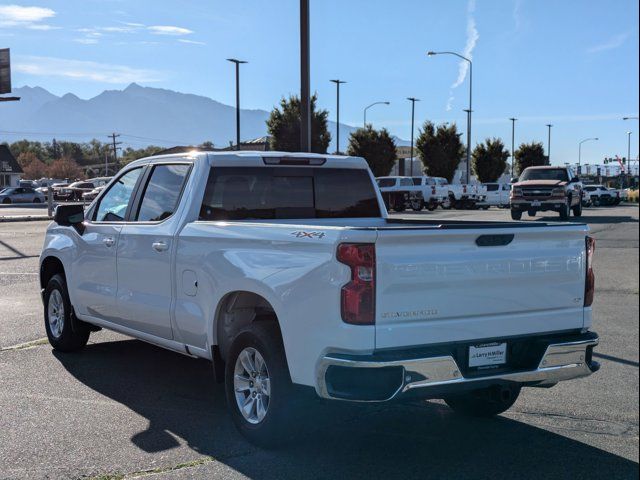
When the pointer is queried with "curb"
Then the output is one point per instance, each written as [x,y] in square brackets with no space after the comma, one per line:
[25,218]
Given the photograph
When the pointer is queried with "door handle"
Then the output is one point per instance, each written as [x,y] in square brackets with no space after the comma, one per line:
[159,246]
[108,241]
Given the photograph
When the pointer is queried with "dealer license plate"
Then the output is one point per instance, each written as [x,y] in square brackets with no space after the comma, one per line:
[487,354]
[536,203]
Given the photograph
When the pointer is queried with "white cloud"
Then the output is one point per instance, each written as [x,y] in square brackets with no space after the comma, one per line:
[190,42]
[84,70]
[169,30]
[86,41]
[472,40]
[614,42]
[29,17]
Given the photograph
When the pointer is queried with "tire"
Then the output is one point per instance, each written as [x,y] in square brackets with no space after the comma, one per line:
[487,402]
[531,213]
[65,333]
[277,424]
[577,210]
[596,202]
[486,207]
[516,214]
[416,205]
[36,200]
[564,212]
[431,206]
[6,201]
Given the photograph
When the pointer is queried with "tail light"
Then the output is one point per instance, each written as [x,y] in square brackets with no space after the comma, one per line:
[464,189]
[433,190]
[359,295]
[590,282]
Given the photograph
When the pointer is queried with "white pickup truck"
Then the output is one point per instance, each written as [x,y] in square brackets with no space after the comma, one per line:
[285,271]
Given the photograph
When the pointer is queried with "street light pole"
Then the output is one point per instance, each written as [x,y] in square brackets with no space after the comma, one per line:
[513,144]
[237,63]
[305,76]
[431,54]
[368,107]
[338,82]
[413,101]
[549,143]
[580,150]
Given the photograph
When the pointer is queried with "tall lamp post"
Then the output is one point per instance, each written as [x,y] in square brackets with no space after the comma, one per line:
[513,144]
[338,82]
[630,173]
[580,150]
[431,54]
[368,107]
[413,101]
[237,63]
[305,82]
[549,142]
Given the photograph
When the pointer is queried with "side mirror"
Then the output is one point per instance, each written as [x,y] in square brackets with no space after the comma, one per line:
[69,216]
[514,180]
[575,180]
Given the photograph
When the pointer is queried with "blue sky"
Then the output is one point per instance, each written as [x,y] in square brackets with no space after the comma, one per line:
[572,63]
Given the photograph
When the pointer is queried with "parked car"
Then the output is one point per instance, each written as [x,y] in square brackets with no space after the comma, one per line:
[497,195]
[90,196]
[285,271]
[461,196]
[433,193]
[74,191]
[546,188]
[399,194]
[599,195]
[21,195]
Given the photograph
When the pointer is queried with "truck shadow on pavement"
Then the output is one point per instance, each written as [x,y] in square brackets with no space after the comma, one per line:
[180,400]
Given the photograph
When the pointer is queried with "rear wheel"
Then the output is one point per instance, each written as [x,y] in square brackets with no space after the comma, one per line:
[259,391]
[486,402]
[416,205]
[532,213]
[516,214]
[36,200]
[6,201]
[65,333]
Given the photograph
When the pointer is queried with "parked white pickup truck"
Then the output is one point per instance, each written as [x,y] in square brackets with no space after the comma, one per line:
[461,196]
[285,271]
[496,195]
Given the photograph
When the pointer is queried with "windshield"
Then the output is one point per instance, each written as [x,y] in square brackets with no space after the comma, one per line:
[558,174]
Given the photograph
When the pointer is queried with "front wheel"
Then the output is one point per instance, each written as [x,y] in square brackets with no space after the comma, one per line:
[65,333]
[516,214]
[564,212]
[258,388]
[486,402]
[577,210]
[6,201]
[416,205]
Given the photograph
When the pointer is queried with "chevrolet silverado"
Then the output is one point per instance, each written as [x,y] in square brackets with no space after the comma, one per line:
[285,272]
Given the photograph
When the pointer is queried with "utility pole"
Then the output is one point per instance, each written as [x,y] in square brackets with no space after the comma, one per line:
[549,143]
[513,145]
[413,101]
[237,62]
[305,83]
[338,82]
[115,144]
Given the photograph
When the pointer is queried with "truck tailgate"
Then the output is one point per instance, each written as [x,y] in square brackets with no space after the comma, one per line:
[440,285]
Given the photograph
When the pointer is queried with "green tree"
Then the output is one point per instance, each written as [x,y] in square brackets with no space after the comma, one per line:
[376,147]
[489,160]
[530,155]
[440,149]
[283,126]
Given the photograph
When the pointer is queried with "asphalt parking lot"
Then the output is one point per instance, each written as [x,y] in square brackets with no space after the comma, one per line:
[124,409]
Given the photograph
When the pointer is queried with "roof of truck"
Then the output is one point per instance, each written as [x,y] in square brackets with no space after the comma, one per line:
[248,158]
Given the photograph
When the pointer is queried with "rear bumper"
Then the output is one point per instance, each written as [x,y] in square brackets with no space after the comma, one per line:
[397,374]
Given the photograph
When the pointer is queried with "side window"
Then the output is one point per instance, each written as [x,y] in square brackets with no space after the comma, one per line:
[113,205]
[162,193]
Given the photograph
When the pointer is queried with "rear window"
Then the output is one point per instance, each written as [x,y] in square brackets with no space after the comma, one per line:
[492,187]
[386,182]
[271,193]
[406,182]
[417,181]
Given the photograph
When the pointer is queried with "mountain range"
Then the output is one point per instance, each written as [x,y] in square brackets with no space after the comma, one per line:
[142,115]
